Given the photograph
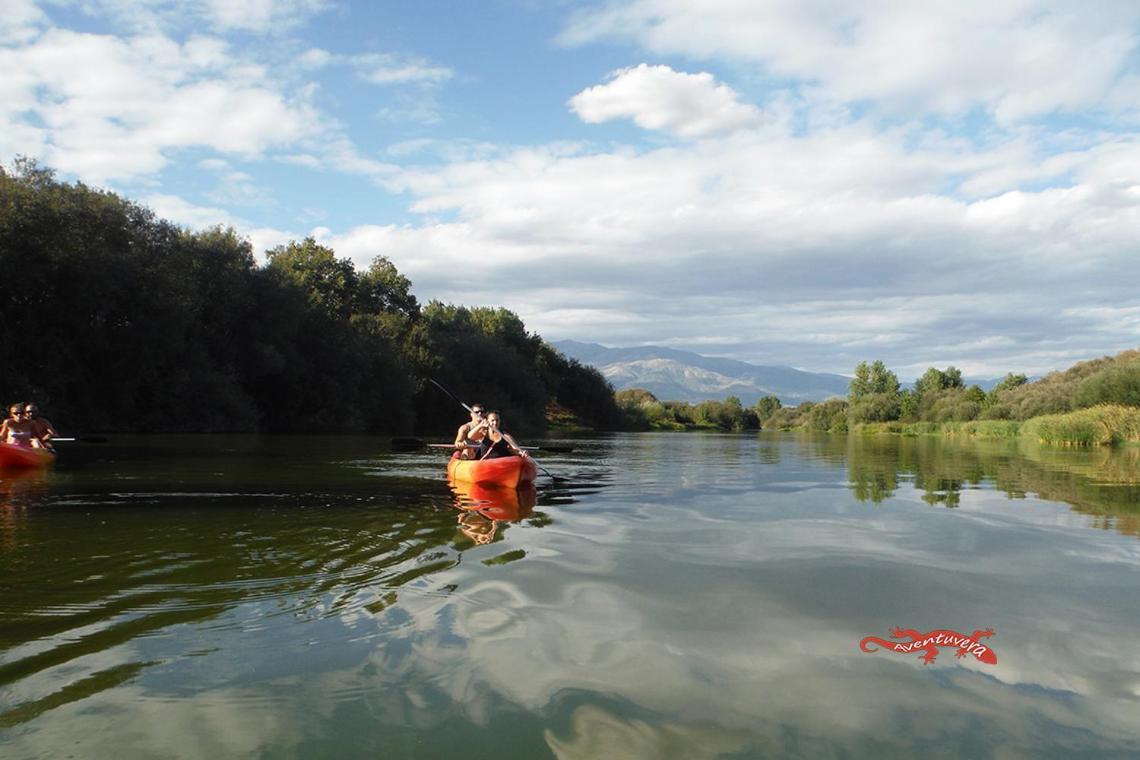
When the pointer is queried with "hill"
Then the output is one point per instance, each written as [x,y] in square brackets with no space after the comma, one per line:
[670,374]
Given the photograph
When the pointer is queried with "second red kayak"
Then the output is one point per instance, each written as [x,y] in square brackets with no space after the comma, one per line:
[505,472]
[20,458]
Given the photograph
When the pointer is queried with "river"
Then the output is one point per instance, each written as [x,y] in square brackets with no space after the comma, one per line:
[656,595]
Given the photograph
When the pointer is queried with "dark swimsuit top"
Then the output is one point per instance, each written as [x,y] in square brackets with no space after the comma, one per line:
[499,448]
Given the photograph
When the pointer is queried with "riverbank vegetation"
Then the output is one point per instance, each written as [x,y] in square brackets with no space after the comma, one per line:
[1095,402]
[643,411]
[116,320]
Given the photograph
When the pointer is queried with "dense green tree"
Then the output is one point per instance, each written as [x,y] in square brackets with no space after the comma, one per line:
[766,407]
[1115,384]
[871,379]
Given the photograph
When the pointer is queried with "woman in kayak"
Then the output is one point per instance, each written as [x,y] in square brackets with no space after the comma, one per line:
[497,443]
[19,430]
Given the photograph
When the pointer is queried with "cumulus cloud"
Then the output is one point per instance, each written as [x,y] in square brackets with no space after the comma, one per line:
[194,217]
[1016,59]
[657,97]
[816,249]
[108,108]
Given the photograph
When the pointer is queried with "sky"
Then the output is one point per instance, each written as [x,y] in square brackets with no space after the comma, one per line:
[810,183]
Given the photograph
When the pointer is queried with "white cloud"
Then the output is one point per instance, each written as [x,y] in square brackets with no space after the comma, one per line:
[1016,58]
[256,16]
[817,248]
[106,108]
[387,69]
[194,217]
[657,97]
[22,21]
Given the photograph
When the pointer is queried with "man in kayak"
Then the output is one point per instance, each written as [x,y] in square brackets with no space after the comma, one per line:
[497,443]
[470,435]
[42,429]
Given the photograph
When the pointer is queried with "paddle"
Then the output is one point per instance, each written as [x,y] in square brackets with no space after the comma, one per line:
[415,443]
[456,399]
[81,439]
[449,393]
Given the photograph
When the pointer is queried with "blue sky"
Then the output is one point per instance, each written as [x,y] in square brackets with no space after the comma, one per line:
[800,182]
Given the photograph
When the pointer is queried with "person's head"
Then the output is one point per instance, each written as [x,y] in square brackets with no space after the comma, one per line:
[31,410]
[493,419]
[16,411]
[478,411]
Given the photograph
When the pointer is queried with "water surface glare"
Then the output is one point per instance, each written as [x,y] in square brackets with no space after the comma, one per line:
[667,595]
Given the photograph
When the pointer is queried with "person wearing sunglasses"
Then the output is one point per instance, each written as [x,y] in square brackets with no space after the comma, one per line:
[470,435]
[19,430]
[42,429]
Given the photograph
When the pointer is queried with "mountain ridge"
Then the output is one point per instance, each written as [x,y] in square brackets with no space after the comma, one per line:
[671,374]
[674,375]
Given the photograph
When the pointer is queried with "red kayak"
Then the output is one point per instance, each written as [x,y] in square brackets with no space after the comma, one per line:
[20,458]
[504,472]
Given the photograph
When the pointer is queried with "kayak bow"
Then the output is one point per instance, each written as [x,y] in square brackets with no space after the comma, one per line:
[504,472]
[14,457]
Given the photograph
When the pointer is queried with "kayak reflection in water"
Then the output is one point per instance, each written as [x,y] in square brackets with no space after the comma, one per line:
[496,442]
[481,508]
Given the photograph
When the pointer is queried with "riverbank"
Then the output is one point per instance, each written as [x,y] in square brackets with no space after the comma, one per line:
[1102,425]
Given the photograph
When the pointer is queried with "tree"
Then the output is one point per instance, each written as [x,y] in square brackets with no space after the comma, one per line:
[330,284]
[872,378]
[936,380]
[766,407]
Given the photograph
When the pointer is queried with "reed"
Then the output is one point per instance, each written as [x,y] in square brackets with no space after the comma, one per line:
[1102,425]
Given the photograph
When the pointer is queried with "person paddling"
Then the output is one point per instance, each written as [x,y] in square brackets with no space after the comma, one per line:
[42,429]
[497,443]
[18,429]
[469,437]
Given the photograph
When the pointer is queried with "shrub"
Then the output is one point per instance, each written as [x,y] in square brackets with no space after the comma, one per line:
[1117,384]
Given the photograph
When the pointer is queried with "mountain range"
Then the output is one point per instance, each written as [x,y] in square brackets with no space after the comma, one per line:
[673,375]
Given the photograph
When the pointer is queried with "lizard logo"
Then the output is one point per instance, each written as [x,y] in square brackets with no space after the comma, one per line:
[929,643]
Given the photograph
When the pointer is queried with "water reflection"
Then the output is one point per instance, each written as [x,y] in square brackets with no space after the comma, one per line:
[690,596]
[1103,483]
[482,508]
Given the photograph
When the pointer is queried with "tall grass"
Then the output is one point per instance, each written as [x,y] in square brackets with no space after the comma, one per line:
[1101,425]
[971,429]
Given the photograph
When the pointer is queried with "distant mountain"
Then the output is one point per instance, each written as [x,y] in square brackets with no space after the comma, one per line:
[673,375]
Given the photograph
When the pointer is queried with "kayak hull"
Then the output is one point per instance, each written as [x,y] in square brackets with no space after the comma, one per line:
[504,472]
[20,458]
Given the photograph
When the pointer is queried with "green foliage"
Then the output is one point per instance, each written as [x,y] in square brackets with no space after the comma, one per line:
[1114,384]
[1095,426]
[871,379]
[875,407]
[829,416]
[766,407]
[908,404]
[934,380]
[644,412]
[122,321]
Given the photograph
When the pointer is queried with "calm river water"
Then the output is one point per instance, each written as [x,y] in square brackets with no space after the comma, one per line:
[678,595]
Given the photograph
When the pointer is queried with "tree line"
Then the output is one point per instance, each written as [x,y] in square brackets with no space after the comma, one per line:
[115,320]
[941,396]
